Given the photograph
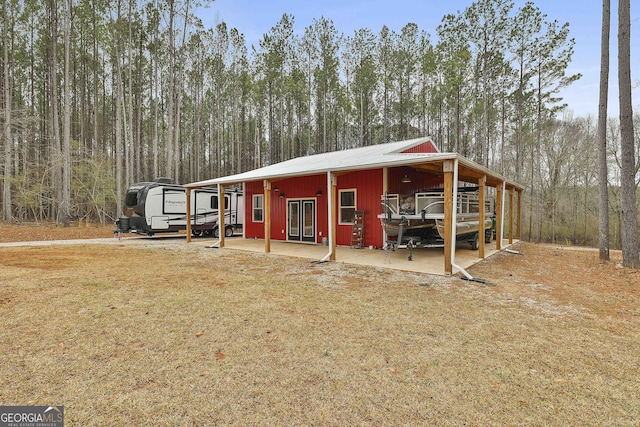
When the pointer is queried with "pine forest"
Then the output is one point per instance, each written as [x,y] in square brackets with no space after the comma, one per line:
[100,94]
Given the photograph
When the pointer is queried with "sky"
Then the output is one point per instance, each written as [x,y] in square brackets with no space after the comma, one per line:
[254,18]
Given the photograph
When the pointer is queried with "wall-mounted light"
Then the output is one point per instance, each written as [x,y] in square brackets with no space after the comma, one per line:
[406,179]
[318,193]
[281,195]
[276,189]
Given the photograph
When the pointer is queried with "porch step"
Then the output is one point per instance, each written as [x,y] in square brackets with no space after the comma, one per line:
[357,233]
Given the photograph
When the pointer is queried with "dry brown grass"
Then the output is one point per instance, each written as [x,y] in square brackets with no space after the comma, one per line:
[52,231]
[163,333]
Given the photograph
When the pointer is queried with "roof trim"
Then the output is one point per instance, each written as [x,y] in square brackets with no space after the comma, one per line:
[370,157]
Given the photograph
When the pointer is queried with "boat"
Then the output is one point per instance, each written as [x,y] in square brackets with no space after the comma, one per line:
[417,220]
[394,226]
[465,227]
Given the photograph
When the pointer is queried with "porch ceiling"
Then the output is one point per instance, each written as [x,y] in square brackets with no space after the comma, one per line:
[467,173]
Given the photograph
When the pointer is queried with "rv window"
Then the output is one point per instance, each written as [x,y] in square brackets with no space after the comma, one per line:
[132,198]
[347,207]
[214,202]
[258,207]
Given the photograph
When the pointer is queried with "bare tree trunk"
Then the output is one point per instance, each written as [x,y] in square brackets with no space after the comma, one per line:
[65,205]
[118,121]
[94,144]
[6,176]
[171,91]
[129,141]
[630,256]
[140,164]
[55,119]
[603,187]
[483,160]
[153,90]
[176,142]
[536,174]
[179,89]
[324,120]
[309,73]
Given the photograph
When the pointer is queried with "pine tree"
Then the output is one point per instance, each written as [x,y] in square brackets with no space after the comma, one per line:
[603,187]
[630,256]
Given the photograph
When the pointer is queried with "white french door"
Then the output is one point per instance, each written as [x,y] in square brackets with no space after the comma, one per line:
[301,220]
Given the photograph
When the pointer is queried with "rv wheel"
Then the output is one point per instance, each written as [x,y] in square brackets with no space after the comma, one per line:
[228,231]
[216,232]
[196,233]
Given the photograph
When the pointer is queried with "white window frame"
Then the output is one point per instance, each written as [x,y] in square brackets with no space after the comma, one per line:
[255,209]
[340,206]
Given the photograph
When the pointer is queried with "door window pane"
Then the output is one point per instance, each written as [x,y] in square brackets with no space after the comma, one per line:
[294,218]
[308,219]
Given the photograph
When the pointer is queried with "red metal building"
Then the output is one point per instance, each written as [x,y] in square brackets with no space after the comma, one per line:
[314,198]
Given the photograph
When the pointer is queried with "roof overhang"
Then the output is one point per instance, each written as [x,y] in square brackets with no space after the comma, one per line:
[364,158]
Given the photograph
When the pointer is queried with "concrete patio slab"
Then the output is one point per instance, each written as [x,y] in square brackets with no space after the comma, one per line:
[424,260]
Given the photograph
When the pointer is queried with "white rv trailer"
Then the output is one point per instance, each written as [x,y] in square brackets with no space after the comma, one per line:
[160,207]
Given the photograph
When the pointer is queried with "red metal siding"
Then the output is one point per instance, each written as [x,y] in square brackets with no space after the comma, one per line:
[252,230]
[304,187]
[369,188]
[293,188]
[425,147]
[368,185]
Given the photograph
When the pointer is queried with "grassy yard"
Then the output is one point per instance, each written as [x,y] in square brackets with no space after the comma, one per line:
[177,335]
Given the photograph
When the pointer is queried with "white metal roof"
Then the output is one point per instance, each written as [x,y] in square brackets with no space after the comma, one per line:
[374,156]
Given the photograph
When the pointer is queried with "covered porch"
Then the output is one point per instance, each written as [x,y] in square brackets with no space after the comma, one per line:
[424,260]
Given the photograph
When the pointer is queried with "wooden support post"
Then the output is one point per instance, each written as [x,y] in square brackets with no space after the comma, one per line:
[221,213]
[481,215]
[188,209]
[267,216]
[511,216]
[499,214]
[447,168]
[519,217]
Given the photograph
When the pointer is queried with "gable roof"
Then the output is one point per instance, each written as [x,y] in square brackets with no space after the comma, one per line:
[401,153]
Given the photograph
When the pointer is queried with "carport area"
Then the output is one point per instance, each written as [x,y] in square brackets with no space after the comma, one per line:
[424,260]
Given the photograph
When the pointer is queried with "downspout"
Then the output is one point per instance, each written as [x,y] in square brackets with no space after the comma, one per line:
[221,214]
[188,203]
[244,209]
[330,214]
[454,219]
